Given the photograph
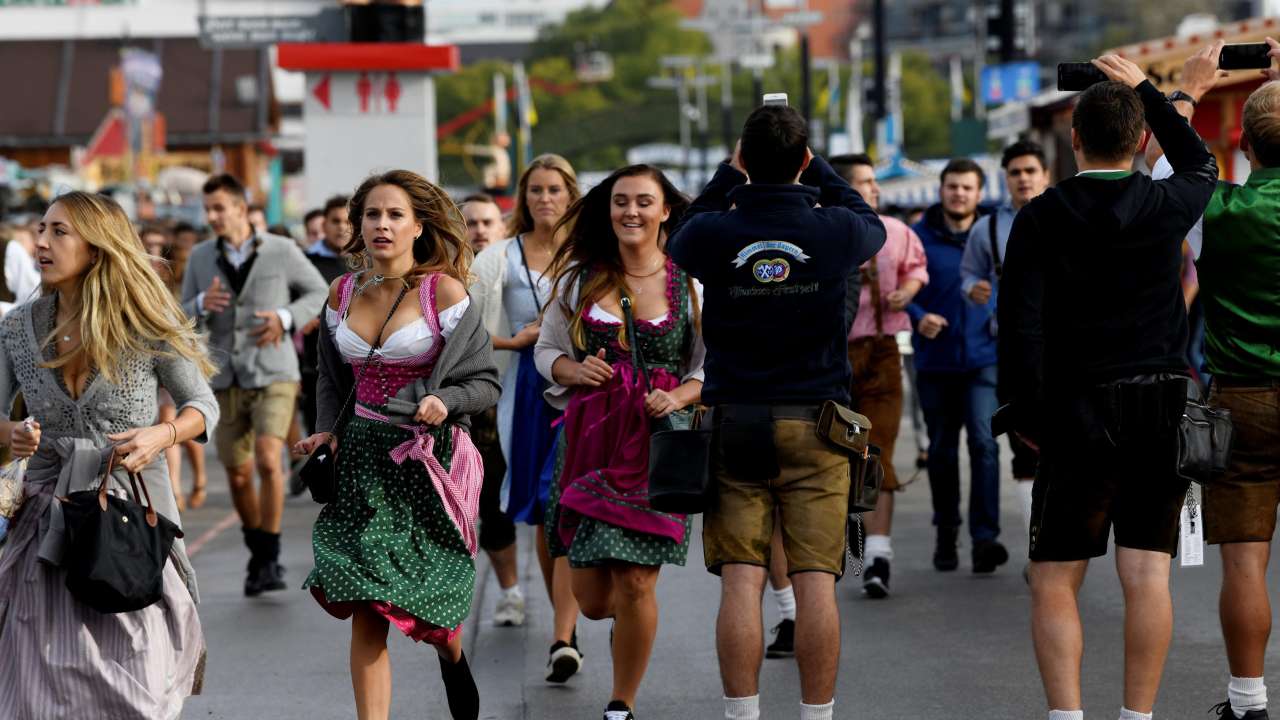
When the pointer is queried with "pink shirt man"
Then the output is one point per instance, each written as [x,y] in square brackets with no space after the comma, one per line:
[901,259]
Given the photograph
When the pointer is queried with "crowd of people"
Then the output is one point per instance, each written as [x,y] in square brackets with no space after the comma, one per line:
[475,372]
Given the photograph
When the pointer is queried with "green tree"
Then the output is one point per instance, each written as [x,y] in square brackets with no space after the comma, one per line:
[591,124]
[926,108]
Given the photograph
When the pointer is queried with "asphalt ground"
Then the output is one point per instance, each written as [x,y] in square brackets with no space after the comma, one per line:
[944,645]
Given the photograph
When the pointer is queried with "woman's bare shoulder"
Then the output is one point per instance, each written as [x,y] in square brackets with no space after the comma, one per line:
[449,292]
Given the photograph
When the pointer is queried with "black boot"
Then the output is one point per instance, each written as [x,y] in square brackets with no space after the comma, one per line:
[271,574]
[988,555]
[785,644]
[252,580]
[460,689]
[945,557]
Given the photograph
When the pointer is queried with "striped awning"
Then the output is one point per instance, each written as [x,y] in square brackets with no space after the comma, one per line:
[922,191]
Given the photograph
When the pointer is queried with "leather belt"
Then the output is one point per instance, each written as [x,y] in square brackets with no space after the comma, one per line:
[777,412]
[1244,382]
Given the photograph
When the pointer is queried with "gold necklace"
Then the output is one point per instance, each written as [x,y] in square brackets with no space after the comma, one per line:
[542,249]
[655,271]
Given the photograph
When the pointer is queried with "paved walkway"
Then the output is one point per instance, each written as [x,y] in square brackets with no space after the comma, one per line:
[947,646]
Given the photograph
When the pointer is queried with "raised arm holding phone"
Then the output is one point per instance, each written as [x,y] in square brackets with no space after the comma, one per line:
[1072,367]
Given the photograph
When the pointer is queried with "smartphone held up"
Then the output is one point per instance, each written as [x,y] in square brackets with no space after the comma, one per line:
[1077,76]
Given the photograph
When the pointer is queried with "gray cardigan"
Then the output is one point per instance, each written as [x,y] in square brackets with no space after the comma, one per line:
[281,277]
[464,378]
[73,442]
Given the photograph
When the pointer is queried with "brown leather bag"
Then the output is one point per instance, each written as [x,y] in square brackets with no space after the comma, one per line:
[850,432]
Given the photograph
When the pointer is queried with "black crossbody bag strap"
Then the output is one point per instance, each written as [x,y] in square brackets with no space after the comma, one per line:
[633,339]
[533,288]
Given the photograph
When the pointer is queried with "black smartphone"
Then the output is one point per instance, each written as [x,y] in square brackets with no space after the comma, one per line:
[1245,56]
[1078,76]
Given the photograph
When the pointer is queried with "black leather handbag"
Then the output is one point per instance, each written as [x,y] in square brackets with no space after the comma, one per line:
[116,547]
[1205,436]
[320,472]
[679,447]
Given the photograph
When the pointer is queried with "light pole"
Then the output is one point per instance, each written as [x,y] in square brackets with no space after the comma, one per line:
[832,66]
[687,74]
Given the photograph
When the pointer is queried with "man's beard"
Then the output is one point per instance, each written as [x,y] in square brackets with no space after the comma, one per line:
[956,217]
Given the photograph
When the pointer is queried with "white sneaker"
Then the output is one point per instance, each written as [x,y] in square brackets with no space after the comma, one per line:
[510,611]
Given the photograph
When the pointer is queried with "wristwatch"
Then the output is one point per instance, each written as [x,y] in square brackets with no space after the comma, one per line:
[1178,95]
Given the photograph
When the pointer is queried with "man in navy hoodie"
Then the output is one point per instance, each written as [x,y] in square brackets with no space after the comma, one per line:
[955,356]
[774,270]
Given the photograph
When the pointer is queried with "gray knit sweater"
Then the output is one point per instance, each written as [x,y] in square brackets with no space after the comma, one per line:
[464,378]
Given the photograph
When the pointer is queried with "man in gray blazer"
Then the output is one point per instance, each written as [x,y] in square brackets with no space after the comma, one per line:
[248,290]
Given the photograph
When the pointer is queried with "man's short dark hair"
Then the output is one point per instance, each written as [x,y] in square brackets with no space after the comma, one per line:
[183,227]
[312,214]
[774,141]
[963,166]
[337,202]
[227,182]
[484,198]
[155,228]
[1109,121]
[844,164]
[1023,148]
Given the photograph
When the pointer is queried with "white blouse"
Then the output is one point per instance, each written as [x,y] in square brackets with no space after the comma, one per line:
[598,313]
[408,342]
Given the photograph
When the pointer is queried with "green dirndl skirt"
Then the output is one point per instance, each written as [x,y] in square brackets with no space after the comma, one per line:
[596,542]
[386,538]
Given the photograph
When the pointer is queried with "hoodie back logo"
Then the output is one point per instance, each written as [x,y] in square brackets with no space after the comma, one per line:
[771,271]
[769,246]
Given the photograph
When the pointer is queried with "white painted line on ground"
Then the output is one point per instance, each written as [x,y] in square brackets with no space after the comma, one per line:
[213,532]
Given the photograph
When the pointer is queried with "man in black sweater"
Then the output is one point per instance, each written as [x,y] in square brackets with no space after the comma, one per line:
[327,257]
[774,270]
[1092,331]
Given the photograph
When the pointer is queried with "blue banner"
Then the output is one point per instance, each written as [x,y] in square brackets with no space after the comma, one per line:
[1010,82]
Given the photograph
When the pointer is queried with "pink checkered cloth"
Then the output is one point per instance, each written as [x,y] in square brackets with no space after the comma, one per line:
[459,486]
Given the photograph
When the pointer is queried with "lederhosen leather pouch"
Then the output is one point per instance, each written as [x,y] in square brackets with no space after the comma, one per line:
[850,433]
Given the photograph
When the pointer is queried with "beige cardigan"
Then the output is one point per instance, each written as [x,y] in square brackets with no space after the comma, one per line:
[490,271]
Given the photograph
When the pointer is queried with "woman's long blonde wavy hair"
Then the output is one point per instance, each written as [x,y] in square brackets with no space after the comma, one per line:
[124,307]
[442,246]
[522,218]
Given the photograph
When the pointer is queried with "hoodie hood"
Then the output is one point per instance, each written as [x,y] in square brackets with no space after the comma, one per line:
[1103,205]
[936,220]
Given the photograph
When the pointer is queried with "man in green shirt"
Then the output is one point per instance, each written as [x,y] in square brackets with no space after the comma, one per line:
[1239,269]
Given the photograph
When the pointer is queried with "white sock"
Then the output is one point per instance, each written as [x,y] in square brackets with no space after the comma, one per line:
[878,546]
[1066,715]
[817,712]
[786,598]
[1247,694]
[743,708]
[513,592]
[1127,714]
[1024,501]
